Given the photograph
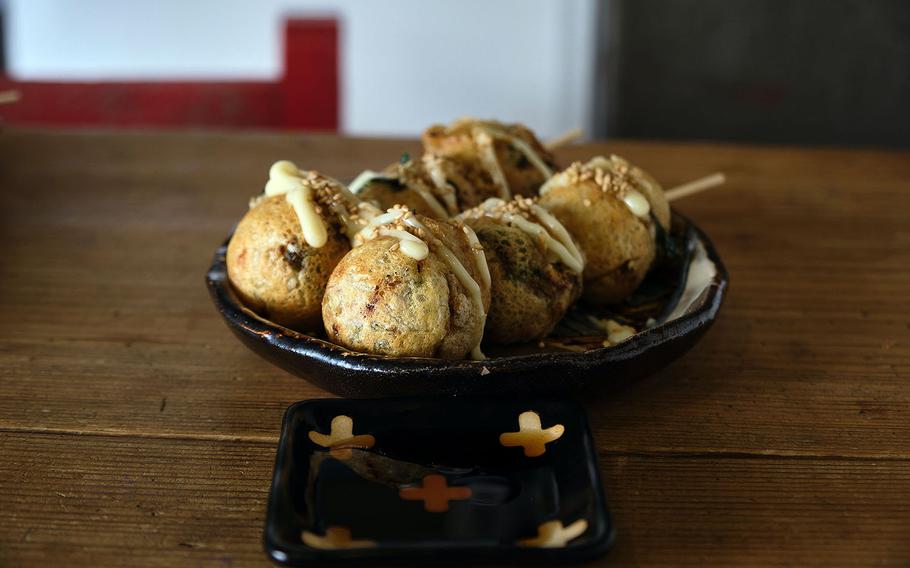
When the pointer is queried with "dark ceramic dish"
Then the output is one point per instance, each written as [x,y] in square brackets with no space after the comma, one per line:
[522,369]
[435,479]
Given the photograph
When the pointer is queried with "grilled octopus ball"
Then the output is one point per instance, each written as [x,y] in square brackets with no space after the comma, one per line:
[407,184]
[382,301]
[463,141]
[389,192]
[274,271]
[530,293]
[610,207]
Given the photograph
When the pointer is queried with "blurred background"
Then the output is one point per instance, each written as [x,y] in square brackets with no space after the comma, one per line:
[768,71]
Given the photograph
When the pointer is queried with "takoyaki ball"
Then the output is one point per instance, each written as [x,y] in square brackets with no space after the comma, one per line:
[510,153]
[642,181]
[286,246]
[407,184]
[531,285]
[607,206]
[436,186]
[467,179]
[414,288]
[273,269]
[386,192]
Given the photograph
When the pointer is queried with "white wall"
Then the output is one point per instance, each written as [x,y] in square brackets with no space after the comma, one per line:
[405,63]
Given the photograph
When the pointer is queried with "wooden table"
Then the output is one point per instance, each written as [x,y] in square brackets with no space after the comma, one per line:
[135,429]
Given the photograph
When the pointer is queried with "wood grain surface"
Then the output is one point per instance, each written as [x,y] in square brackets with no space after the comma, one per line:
[135,430]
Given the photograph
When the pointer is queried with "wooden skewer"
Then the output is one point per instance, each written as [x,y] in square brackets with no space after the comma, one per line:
[696,186]
[11,96]
[565,138]
[677,192]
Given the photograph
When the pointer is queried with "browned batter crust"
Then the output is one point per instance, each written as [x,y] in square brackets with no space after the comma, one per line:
[618,245]
[274,271]
[379,300]
[458,143]
[530,292]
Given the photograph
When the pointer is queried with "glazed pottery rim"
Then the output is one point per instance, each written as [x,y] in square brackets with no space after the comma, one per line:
[599,541]
[703,310]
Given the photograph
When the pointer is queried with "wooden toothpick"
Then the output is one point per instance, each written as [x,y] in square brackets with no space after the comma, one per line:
[677,192]
[696,186]
[565,138]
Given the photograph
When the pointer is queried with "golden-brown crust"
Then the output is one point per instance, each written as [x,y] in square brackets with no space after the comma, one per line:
[272,269]
[473,185]
[523,177]
[618,246]
[379,300]
[459,143]
[411,185]
[530,293]
[386,194]
[617,176]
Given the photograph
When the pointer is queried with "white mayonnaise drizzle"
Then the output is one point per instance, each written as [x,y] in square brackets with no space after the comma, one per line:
[415,247]
[634,200]
[637,203]
[410,245]
[488,158]
[284,178]
[562,235]
[615,331]
[300,188]
[430,200]
[410,182]
[551,232]
[483,134]
[480,257]
[433,166]
[365,177]
[522,147]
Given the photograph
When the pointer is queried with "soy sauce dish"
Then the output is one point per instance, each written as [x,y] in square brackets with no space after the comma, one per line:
[418,480]
[673,307]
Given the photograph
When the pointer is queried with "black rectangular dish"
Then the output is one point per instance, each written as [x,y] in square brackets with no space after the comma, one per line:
[447,479]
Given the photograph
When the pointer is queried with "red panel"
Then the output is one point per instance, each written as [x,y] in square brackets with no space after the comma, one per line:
[237,104]
[306,97]
[310,84]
